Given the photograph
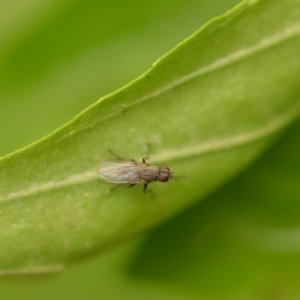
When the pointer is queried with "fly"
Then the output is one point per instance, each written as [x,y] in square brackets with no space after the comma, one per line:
[128,171]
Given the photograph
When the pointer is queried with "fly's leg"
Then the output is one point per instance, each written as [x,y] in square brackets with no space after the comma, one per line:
[148,148]
[118,185]
[113,188]
[116,155]
[120,157]
[148,191]
[145,187]
[125,158]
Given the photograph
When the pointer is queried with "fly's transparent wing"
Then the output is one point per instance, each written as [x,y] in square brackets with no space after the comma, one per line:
[119,171]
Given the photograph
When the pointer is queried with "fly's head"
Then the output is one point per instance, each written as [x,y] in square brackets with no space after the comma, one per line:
[164,174]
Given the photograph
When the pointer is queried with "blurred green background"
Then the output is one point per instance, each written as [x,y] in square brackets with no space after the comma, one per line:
[57,58]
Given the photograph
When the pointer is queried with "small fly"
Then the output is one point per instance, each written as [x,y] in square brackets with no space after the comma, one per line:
[128,171]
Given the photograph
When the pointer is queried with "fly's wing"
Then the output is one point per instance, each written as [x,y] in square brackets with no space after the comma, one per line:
[119,171]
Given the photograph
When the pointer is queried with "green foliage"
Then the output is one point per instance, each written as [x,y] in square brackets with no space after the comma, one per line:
[208,108]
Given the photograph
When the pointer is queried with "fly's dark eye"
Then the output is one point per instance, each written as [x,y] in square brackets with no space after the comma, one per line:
[164,174]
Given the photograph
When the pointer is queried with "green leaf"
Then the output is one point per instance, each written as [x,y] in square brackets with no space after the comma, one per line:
[208,108]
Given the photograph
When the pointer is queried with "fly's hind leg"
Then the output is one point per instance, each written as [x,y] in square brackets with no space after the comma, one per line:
[116,155]
[113,188]
[118,185]
[120,157]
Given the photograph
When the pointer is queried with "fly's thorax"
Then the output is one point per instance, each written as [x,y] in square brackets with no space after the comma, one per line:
[148,173]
